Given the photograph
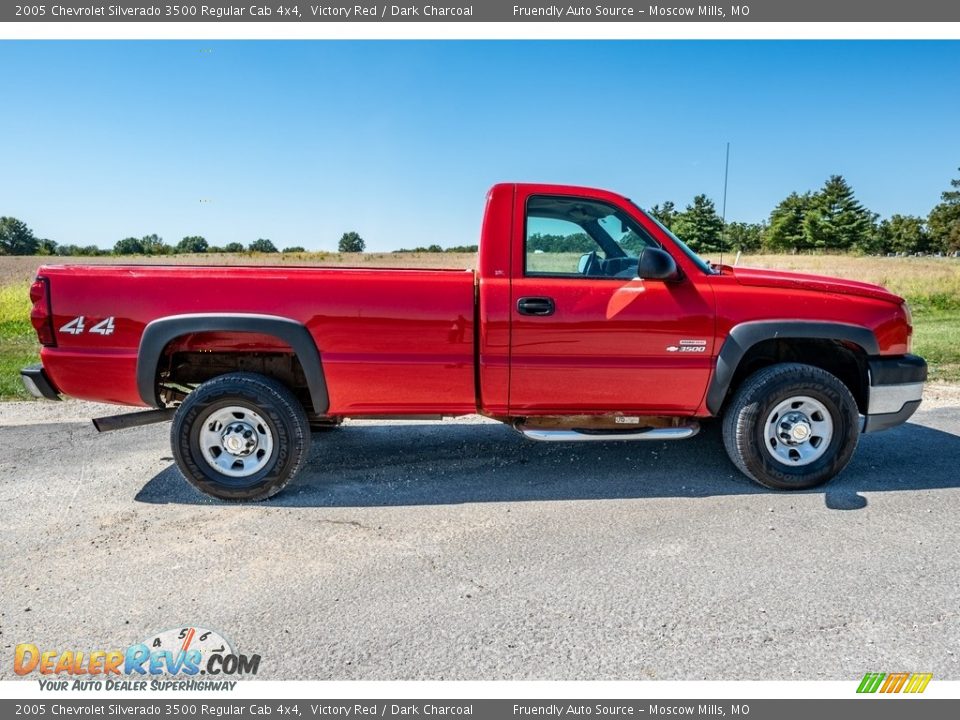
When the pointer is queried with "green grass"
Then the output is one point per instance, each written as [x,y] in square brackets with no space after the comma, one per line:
[936,337]
[15,354]
[18,342]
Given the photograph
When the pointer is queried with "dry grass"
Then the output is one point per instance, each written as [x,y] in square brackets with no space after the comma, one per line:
[929,283]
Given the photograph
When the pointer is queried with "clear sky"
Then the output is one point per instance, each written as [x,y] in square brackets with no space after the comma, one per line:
[399,140]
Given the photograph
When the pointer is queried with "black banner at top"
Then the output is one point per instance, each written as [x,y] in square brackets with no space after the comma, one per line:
[485,11]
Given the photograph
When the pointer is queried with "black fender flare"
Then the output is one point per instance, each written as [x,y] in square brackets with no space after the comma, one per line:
[745,335]
[159,333]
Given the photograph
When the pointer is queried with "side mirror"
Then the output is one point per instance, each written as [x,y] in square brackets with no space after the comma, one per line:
[582,265]
[656,264]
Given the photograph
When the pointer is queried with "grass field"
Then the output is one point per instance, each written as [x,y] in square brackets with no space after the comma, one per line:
[932,285]
[18,342]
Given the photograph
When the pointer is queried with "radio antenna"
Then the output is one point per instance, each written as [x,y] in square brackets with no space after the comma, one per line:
[723,215]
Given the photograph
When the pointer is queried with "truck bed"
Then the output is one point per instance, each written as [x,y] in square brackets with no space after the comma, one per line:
[388,338]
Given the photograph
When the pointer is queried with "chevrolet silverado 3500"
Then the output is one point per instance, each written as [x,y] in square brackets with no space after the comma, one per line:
[585,320]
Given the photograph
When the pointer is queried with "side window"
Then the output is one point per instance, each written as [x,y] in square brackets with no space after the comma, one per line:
[571,237]
[554,246]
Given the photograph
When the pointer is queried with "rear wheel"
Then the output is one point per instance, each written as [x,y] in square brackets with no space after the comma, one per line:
[791,426]
[241,436]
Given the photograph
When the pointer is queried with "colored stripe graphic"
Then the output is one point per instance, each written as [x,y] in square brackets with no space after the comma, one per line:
[870,682]
[894,682]
[918,682]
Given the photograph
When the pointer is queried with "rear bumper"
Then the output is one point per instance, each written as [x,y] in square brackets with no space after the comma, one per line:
[37,383]
[896,388]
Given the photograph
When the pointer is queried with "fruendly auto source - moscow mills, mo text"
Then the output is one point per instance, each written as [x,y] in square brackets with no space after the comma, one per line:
[626,12]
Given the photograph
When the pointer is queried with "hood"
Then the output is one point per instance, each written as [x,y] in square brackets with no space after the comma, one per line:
[818,283]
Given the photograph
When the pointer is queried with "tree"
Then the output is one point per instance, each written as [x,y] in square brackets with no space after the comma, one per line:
[91,250]
[154,245]
[233,247]
[902,233]
[294,249]
[193,244]
[944,220]
[666,214]
[147,245]
[128,246]
[835,220]
[744,236]
[351,242]
[785,229]
[46,247]
[262,245]
[633,242]
[699,226]
[16,238]
[548,243]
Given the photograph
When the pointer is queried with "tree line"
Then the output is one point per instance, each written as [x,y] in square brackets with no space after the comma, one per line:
[16,238]
[437,249]
[830,219]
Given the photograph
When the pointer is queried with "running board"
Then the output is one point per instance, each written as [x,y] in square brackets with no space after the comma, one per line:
[680,432]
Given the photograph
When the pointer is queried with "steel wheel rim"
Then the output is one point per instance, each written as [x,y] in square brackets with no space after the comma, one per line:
[798,431]
[235,441]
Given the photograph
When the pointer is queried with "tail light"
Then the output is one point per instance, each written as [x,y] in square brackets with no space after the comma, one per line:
[41,316]
[908,316]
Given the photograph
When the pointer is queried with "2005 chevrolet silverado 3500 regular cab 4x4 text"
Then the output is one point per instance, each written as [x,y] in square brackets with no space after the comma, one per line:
[585,320]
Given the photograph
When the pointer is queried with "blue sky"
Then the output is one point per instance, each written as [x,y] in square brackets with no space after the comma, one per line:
[399,140]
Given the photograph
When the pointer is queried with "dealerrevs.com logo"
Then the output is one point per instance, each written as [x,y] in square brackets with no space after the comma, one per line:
[190,658]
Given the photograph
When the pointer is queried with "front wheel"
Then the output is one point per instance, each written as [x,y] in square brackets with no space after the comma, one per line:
[240,436]
[791,426]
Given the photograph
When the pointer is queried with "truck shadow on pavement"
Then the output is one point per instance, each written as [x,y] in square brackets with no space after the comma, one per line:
[397,464]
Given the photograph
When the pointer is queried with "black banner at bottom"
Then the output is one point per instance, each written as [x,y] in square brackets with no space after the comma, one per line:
[873,707]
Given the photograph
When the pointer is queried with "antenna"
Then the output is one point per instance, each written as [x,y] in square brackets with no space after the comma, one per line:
[723,216]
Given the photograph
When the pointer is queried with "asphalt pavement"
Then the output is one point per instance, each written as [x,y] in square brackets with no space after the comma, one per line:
[459,550]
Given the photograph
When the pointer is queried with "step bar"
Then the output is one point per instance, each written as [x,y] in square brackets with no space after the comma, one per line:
[134,419]
[680,432]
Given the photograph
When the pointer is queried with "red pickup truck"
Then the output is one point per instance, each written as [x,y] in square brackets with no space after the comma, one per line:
[586,320]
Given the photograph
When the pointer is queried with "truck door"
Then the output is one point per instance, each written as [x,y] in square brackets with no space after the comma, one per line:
[587,334]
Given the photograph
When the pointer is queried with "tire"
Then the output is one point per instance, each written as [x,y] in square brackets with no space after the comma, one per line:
[773,422]
[240,437]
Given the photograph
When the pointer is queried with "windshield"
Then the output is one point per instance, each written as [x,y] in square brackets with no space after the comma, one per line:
[699,261]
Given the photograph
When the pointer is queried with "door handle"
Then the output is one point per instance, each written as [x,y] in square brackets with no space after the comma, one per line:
[536,306]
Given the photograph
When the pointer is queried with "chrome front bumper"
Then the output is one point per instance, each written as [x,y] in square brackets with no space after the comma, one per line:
[896,388]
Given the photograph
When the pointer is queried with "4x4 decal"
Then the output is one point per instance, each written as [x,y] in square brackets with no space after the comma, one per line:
[77,326]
